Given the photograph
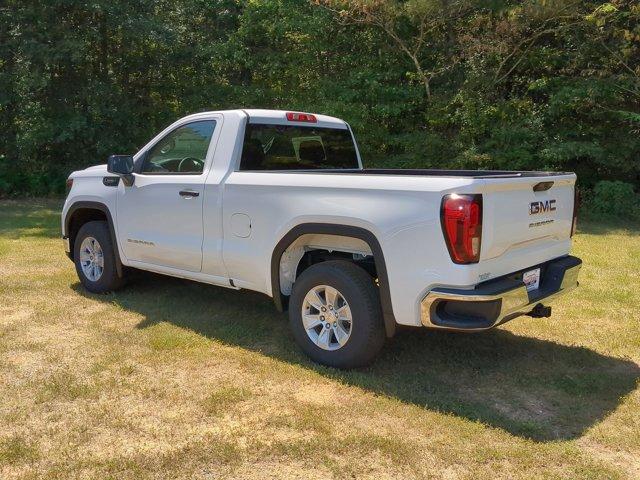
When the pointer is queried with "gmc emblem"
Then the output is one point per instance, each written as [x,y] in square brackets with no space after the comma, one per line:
[542,207]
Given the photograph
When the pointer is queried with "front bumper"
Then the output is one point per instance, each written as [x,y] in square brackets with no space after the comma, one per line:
[497,301]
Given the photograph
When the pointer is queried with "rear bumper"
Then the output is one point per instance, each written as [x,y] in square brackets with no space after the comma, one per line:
[497,301]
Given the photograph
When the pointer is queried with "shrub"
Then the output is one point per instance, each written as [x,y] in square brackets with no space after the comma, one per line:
[615,198]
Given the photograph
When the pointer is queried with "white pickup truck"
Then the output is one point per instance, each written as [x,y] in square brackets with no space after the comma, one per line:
[278,202]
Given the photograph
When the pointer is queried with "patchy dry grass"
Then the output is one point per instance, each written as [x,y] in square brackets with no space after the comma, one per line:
[172,379]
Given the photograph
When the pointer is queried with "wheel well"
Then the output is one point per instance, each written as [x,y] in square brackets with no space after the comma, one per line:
[309,249]
[311,257]
[79,218]
[310,243]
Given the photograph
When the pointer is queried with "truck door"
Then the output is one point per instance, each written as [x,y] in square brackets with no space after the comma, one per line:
[159,217]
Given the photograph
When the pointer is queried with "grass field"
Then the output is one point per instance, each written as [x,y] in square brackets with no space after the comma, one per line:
[173,379]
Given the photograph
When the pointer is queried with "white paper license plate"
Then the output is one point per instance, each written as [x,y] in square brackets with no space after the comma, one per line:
[531,279]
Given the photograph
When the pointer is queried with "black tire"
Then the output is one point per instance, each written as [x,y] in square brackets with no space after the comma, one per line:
[109,279]
[367,328]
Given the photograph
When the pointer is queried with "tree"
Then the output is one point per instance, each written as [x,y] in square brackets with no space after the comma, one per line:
[424,83]
[425,31]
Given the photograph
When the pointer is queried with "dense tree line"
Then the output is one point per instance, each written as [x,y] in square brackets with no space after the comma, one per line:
[536,84]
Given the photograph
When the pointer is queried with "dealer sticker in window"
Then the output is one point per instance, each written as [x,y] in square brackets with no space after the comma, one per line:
[531,279]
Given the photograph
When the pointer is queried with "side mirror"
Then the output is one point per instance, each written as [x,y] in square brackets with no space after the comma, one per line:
[122,165]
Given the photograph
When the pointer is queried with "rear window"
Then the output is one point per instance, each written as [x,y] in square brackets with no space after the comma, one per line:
[286,147]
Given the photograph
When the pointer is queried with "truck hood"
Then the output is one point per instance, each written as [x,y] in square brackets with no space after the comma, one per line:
[97,168]
[92,171]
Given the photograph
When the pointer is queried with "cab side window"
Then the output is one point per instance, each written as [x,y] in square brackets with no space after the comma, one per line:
[181,151]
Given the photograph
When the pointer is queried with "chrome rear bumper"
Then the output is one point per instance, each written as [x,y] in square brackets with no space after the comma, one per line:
[497,301]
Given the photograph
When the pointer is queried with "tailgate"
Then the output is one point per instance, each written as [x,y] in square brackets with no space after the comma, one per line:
[521,213]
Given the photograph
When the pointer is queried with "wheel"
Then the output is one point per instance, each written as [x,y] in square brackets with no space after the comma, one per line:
[335,315]
[95,258]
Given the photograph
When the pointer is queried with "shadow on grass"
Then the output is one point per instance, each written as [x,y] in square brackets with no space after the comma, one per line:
[529,387]
[32,218]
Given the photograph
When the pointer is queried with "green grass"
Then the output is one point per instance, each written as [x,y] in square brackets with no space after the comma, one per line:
[221,400]
[16,449]
[173,379]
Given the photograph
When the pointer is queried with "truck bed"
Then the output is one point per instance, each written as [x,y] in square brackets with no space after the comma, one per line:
[427,172]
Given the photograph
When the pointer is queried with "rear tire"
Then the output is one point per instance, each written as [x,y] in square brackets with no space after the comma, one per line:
[95,259]
[325,336]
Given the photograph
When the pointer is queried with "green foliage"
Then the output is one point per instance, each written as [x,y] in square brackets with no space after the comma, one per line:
[424,83]
[616,199]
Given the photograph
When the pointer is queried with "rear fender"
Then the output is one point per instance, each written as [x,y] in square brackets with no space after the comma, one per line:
[280,300]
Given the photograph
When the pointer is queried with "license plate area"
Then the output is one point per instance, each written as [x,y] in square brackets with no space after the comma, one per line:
[531,279]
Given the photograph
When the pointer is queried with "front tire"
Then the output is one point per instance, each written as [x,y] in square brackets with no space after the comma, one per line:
[94,257]
[335,315]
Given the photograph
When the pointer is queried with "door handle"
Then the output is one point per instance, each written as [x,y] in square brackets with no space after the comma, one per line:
[188,193]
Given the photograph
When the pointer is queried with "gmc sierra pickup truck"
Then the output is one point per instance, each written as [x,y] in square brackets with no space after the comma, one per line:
[278,202]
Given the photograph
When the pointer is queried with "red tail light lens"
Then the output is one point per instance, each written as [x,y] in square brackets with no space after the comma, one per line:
[461,217]
[301,117]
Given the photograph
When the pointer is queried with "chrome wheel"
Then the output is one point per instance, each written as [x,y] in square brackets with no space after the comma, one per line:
[326,317]
[91,259]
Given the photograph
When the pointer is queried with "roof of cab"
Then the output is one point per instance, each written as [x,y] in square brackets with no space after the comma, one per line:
[280,117]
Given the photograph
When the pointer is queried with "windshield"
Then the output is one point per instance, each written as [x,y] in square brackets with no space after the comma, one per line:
[286,147]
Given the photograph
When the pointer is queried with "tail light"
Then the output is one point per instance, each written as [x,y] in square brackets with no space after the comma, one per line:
[301,117]
[69,184]
[576,206]
[461,217]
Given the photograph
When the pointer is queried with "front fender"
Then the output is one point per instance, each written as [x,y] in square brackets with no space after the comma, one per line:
[71,207]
